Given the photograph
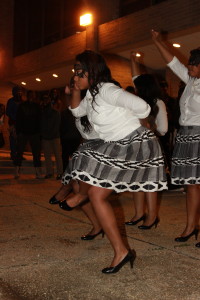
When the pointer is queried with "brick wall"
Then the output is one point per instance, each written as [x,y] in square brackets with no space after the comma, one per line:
[174,16]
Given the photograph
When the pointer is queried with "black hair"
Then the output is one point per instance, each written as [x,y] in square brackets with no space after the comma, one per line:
[148,89]
[194,57]
[130,89]
[16,89]
[98,71]
[86,124]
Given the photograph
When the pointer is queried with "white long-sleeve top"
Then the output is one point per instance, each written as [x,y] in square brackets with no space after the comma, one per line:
[114,114]
[87,135]
[161,118]
[190,99]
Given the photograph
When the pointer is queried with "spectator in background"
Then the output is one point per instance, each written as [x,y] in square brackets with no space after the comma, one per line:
[50,132]
[55,100]
[69,135]
[11,112]
[28,130]
[2,116]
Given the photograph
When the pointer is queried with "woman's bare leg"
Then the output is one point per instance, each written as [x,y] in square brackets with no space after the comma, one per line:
[152,207]
[105,214]
[63,192]
[192,207]
[89,212]
[74,200]
[139,205]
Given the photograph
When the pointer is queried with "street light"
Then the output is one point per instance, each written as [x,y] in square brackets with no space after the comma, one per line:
[86,19]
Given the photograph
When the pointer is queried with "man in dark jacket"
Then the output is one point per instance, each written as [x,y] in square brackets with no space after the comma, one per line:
[11,112]
[28,130]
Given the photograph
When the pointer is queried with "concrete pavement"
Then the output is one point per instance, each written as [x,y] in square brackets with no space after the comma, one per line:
[42,256]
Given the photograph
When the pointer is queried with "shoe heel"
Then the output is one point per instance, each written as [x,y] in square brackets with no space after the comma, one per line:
[196,234]
[103,233]
[131,262]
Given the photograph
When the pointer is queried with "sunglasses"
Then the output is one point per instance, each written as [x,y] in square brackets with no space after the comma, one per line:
[80,74]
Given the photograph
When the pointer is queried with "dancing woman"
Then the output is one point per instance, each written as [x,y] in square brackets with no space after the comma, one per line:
[128,156]
[186,157]
[147,87]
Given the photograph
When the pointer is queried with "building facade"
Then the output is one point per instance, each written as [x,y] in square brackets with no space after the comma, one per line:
[41,37]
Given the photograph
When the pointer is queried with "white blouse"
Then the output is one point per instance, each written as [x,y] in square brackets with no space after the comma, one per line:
[161,118]
[87,135]
[190,99]
[115,112]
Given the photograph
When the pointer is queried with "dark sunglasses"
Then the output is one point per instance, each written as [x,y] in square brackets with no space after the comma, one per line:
[79,74]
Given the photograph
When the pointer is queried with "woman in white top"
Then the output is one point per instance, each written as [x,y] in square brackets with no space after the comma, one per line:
[186,157]
[147,87]
[128,156]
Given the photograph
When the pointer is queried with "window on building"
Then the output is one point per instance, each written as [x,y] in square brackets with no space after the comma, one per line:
[130,6]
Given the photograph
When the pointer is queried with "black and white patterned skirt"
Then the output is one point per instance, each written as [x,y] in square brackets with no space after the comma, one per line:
[186,156]
[133,164]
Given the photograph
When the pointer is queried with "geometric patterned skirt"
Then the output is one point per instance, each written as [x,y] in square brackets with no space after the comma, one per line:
[134,163]
[186,156]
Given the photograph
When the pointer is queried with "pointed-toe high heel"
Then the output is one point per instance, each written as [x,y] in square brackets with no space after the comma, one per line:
[185,238]
[53,200]
[89,237]
[65,206]
[128,258]
[145,227]
[132,223]
[198,245]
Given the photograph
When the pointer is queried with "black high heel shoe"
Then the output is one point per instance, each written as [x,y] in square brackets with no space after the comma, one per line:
[132,223]
[129,257]
[195,232]
[198,245]
[89,237]
[145,227]
[53,200]
[65,206]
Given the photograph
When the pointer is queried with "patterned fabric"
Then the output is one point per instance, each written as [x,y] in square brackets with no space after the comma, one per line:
[134,163]
[186,156]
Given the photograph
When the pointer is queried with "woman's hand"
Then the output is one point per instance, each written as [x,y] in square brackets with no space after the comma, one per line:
[70,89]
[162,47]
[155,35]
[67,90]
[135,56]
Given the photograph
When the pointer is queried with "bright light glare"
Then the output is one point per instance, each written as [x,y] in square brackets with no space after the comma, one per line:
[176,45]
[55,75]
[86,20]
[24,83]
[138,54]
[38,79]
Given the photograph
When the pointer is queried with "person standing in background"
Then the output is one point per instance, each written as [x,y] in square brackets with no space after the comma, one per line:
[56,103]
[11,112]
[2,116]
[50,133]
[28,130]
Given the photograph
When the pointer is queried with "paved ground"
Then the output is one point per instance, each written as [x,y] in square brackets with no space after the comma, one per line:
[42,256]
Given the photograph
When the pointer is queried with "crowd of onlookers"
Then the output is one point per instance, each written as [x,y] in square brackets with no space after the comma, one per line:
[42,125]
